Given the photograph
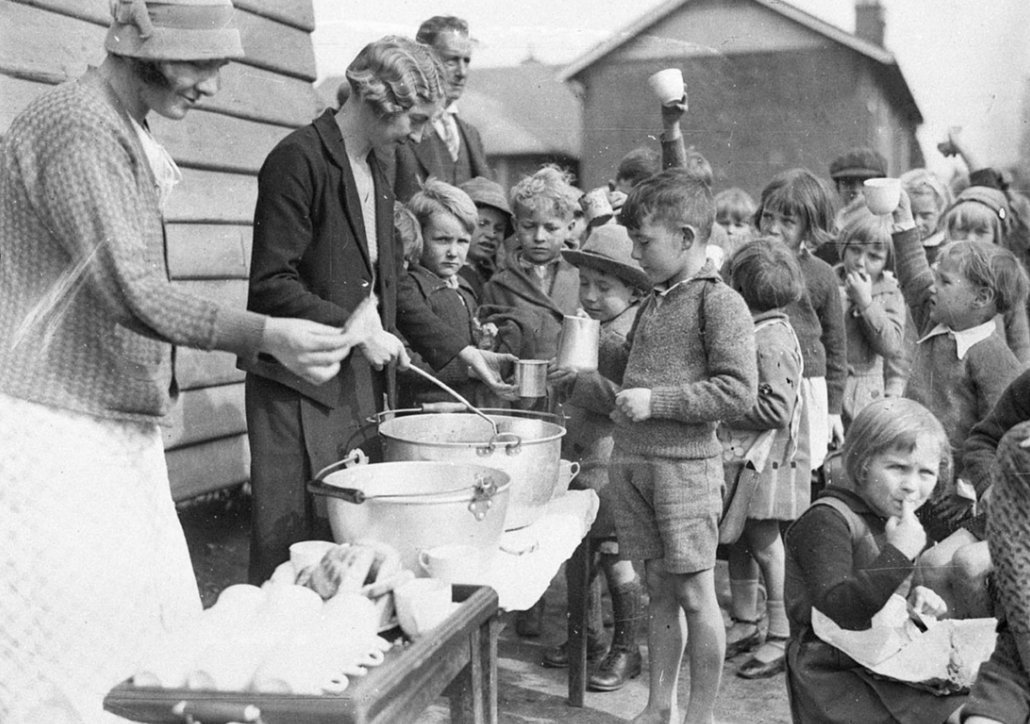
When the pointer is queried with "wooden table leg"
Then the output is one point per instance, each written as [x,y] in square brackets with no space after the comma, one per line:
[466,691]
[579,580]
[488,640]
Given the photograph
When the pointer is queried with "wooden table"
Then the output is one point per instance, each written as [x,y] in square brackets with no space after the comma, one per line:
[458,660]
[578,569]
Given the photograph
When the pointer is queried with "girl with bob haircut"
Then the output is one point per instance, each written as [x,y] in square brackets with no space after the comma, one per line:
[760,455]
[850,552]
[437,197]
[874,312]
[797,208]
[930,198]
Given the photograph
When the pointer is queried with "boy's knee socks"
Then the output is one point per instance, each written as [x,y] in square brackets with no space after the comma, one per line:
[744,601]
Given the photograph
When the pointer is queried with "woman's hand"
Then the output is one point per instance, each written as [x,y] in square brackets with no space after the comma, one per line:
[381,348]
[488,366]
[308,349]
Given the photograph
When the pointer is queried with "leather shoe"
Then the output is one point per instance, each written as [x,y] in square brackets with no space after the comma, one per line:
[745,644]
[618,667]
[755,668]
[557,657]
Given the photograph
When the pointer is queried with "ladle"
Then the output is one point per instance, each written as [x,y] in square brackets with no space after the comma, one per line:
[455,395]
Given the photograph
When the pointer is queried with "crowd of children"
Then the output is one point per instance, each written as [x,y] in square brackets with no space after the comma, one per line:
[746,350]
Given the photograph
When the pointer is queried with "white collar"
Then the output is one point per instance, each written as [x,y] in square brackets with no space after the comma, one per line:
[964,339]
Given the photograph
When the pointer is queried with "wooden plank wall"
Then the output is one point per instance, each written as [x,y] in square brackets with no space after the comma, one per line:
[208,220]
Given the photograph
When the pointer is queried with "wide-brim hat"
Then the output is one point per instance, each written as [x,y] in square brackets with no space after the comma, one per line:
[485,192]
[174,30]
[609,249]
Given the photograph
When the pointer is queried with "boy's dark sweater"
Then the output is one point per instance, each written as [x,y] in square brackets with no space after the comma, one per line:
[959,392]
[981,448]
[695,380]
[818,321]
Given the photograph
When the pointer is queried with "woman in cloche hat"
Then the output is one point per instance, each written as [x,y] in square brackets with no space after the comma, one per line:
[93,559]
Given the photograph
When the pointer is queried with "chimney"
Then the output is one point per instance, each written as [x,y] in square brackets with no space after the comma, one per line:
[869,21]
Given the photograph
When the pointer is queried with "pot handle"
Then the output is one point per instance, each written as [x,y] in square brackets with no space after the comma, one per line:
[215,712]
[351,495]
[512,444]
[356,456]
[482,497]
[318,486]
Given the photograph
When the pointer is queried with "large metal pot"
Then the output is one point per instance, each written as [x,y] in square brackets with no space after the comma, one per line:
[415,505]
[527,448]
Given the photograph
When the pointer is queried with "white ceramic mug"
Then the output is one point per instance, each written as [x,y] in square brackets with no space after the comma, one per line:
[422,605]
[882,194]
[453,563]
[667,85]
[567,472]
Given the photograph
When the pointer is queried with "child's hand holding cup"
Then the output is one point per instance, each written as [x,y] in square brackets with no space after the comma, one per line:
[882,194]
[905,532]
[668,86]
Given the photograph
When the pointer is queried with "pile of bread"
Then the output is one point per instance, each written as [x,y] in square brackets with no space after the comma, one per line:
[305,631]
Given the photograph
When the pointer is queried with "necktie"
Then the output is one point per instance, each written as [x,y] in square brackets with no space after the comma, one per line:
[450,128]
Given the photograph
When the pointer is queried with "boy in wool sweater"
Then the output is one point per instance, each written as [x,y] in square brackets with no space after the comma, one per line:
[961,363]
[688,362]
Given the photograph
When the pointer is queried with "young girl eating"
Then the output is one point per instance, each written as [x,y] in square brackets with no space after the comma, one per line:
[850,551]
[874,312]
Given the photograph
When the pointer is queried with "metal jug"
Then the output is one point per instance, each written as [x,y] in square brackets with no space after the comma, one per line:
[577,346]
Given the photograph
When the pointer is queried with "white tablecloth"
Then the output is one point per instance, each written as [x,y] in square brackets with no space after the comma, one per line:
[521,579]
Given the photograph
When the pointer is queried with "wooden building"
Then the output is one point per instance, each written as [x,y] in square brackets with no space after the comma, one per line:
[770,87]
[219,147]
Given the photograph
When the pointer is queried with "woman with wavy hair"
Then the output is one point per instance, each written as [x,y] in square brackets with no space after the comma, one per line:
[323,247]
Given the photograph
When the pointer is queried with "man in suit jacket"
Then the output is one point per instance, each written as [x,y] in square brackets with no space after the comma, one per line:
[323,246]
[451,149]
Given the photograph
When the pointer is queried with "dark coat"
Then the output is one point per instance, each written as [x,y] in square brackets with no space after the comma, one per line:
[414,163]
[311,260]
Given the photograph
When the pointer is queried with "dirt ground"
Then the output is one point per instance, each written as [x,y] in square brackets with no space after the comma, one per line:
[217,530]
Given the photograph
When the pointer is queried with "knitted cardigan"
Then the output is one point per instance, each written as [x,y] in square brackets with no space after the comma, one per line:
[699,370]
[876,334]
[818,320]
[959,392]
[89,315]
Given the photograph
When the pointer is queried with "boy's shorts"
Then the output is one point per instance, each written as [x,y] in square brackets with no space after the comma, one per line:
[1002,689]
[667,508]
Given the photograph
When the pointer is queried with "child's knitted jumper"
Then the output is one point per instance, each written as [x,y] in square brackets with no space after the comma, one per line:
[694,348]
[959,392]
[818,321]
[88,311]
[1008,533]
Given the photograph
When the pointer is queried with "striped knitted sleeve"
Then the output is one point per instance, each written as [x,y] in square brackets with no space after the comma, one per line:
[88,181]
